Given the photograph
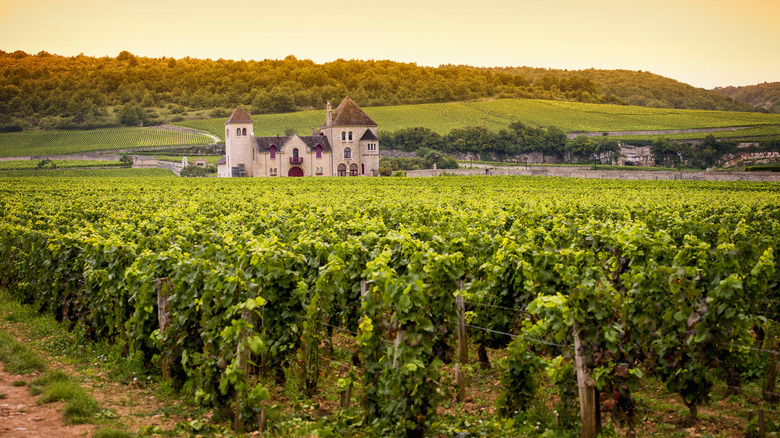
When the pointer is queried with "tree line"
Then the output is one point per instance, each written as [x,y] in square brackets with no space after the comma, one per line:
[510,143]
[46,91]
[709,153]
[514,142]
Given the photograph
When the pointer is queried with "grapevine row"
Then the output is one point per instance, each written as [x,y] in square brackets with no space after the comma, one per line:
[651,277]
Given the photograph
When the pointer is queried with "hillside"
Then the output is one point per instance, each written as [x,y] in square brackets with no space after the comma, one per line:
[765,96]
[499,113]
[46,91]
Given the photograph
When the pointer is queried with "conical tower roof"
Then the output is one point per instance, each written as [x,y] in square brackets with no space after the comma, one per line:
[239,116]
[348,113]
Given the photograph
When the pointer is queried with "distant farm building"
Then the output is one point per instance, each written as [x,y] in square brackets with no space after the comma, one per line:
[345,145]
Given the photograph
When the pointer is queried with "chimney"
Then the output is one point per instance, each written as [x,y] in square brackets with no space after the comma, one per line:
[328,114]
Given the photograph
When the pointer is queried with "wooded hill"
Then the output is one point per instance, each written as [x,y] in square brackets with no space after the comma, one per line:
[765,96]
[46,91]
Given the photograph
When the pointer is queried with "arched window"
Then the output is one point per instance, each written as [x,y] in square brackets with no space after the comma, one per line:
[347,153]
[363,169]
[295,153]
[318,150]
[238,131]
[272,151]
[350,135]
[342,170]
[243,131]
[343,135]
[353,169]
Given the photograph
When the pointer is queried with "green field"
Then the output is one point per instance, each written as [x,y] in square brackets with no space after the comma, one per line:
[74,142]
[497,114]
[88,173]
[33,164]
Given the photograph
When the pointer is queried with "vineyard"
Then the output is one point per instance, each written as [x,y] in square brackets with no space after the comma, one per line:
[498,114]
[399,297]
[75,172]
[33,164]
[73,142]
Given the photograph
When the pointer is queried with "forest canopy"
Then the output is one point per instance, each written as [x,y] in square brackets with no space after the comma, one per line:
[46,91]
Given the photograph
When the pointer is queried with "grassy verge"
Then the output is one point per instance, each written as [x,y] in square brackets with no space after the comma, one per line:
[52,387]
[101,366]
[18,359]
[59,164]
[90,173]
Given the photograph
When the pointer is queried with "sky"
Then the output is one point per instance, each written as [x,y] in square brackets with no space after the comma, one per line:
[705,43]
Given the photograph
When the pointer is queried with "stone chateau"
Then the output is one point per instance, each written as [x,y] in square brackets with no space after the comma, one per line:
[345,145]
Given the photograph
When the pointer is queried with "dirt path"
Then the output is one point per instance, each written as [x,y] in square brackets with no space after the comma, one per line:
[124,407]
[21,417]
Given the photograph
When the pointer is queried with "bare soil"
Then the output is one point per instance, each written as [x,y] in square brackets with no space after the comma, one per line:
[124,407]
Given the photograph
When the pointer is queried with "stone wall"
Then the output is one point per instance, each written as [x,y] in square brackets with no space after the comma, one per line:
[578,172]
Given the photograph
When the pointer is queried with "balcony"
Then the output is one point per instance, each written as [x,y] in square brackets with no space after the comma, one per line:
[296,160]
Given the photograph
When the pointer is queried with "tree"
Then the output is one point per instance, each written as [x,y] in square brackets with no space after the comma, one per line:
[609,147]
[581,147]
[131,115]
[468,139]
[411,139]
[665,151]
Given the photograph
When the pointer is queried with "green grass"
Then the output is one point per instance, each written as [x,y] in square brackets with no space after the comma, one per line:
[441,117]
[89,173]
[56,386]
[33,164]
[497,114]
[105,432]
[16,358]
[72,142]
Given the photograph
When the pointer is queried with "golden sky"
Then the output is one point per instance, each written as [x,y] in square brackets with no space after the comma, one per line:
[705,43]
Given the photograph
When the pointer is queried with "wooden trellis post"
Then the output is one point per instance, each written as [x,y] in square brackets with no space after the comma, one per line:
[587,392]
[463,348]
[163,286]
[242,357]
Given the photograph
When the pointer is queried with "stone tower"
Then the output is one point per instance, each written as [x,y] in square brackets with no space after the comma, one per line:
[239,143]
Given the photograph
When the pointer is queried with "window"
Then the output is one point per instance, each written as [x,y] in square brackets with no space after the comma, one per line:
[343,135]
[243,131]
[342,170]
[353,169]
[295,153]
[347,153]
[350,135]
[363,169]
[318,150]
[238,132]
[272,151]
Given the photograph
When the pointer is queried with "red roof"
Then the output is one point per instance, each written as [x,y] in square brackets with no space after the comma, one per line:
[239,116]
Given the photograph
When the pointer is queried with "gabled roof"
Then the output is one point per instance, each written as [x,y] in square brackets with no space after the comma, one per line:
[264,143]
[368,136]
[348,113]
[311,141]
[239,116]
